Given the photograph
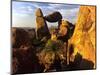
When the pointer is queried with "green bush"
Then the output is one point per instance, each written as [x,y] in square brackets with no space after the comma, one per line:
[54,45]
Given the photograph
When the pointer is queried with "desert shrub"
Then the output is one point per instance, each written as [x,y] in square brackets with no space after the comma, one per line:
[51,52]
[54,45]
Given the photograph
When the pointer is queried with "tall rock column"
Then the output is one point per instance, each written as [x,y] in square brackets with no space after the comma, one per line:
[84,38]
[41,25]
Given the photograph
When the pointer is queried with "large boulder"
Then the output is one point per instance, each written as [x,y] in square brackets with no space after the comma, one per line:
[53,17]
[84,35]
[41,25]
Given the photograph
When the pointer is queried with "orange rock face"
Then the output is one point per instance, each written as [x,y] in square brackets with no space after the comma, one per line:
[84,36]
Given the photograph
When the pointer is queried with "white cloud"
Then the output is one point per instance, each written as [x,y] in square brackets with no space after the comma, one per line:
[25,15]
[20,15]
[30,8]
[63,6]
[70,14]
[36,5]
[56,5]
[26,9]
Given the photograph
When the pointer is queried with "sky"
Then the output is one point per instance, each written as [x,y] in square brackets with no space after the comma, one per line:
[23,13]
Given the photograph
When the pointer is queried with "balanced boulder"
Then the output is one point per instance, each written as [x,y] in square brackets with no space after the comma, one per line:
[53,17]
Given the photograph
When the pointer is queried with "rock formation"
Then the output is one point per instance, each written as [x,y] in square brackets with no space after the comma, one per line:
[31,32]
[41,25]
[71,47]
[53,17]
[19,37]
[63,31]
[83,38]
[64,28]
[13,36]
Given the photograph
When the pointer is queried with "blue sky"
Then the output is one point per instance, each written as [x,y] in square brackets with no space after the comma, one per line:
[23,13]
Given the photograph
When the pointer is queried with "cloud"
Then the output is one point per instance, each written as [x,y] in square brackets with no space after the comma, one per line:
[26,8]
[63,6]
[25,11]
[70,14]
[22,7]
[56,6]
[20,15]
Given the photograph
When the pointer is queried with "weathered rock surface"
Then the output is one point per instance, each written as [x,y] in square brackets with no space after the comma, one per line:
[65,30]
[13,36]
[20,37]
[53,17]
[84,38]
[24,51]
[41,25]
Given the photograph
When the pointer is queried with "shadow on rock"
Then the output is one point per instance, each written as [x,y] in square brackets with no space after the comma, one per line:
[80,63]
